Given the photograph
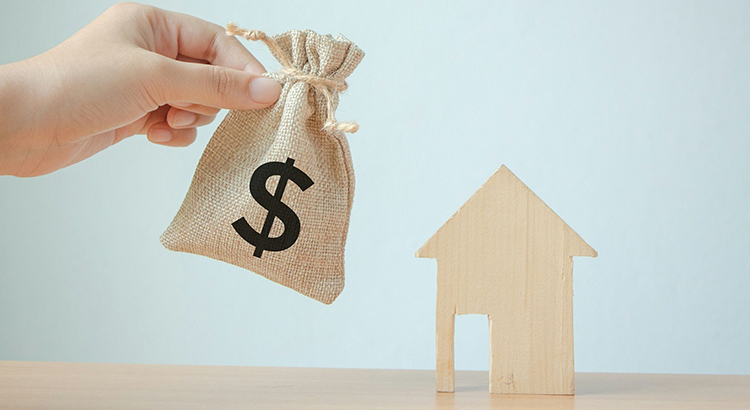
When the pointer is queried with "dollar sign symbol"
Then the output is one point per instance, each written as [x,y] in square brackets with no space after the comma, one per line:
[276,209]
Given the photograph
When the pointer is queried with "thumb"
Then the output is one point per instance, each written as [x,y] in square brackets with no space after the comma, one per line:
[217,86]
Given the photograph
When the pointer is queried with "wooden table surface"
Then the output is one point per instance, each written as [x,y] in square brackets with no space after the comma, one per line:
[44,385]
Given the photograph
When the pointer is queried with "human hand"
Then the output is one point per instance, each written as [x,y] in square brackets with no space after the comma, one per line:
[134,70]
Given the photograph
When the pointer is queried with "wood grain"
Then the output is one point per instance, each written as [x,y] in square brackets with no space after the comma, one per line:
[40,385]
[507,255]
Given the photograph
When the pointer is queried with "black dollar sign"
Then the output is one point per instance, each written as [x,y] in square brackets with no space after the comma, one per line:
[276,208]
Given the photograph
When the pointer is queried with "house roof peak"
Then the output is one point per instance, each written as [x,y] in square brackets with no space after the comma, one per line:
[503,198]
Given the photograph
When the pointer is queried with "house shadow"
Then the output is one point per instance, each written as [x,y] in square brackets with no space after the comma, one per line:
[599,384]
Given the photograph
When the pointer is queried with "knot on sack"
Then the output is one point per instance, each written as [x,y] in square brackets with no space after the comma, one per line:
[328,87]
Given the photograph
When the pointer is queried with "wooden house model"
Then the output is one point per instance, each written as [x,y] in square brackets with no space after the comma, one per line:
[507,255]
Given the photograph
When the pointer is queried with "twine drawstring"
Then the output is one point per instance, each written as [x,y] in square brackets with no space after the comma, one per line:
[328,87]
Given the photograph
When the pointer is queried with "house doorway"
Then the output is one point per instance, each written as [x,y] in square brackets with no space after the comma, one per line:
[472,343]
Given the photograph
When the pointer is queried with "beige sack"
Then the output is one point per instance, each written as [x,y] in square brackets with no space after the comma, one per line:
[274,188]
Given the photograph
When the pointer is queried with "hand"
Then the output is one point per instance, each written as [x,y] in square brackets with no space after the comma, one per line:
[134,70]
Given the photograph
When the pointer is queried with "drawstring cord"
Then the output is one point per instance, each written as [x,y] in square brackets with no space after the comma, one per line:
[328,87]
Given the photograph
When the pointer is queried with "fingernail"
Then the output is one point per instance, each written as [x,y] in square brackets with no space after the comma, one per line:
[264,90]
[183,118]
[180,104]
[160,135]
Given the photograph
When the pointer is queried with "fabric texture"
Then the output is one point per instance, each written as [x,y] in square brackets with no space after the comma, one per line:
[293,128]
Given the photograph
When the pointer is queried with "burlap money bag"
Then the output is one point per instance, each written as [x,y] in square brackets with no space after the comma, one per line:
[268,174]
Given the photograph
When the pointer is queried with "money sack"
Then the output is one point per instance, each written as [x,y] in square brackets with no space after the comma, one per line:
[273,190]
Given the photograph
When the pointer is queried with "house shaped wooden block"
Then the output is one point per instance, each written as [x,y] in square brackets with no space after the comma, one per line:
[506,254]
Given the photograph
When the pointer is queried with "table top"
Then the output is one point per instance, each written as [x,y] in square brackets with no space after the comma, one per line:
[52,385]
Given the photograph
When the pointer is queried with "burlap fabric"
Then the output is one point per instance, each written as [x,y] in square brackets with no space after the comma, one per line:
[301,127]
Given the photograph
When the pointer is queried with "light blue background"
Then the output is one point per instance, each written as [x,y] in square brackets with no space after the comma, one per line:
[630,119]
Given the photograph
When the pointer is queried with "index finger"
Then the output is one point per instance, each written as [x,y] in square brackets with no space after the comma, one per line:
[199,39]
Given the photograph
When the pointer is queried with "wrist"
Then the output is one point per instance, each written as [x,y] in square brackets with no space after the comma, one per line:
[21,103]
[9,126]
